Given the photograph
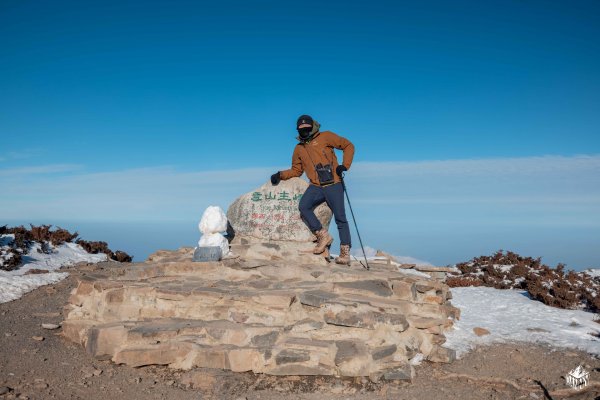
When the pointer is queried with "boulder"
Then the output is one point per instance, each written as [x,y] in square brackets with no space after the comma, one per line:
[270,213]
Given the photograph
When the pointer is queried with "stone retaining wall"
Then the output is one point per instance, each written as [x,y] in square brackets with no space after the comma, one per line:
[262,316]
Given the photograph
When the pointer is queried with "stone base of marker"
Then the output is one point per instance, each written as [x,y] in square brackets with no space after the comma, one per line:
[206,254]
[253,313]
[298,253]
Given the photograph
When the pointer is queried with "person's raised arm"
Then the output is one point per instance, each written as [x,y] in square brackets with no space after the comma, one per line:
[295,171]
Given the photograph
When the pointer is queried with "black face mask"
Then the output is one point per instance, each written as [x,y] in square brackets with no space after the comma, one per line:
[305,132]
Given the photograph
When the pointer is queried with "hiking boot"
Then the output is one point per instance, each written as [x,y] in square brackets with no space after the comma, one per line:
[326,255]
[324,239]
[344,257]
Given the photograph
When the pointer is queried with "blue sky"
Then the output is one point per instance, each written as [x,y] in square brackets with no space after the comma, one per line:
[476,123]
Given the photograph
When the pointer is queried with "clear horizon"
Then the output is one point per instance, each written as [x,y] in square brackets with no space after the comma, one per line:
[442,212]
[142,239]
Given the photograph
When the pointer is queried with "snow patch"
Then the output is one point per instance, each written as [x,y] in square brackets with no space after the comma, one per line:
[593,272]
[504,268]
[371,252]
[14,284]
[510,315]
[65,255]
[13,287]
[414,272]
[7,239]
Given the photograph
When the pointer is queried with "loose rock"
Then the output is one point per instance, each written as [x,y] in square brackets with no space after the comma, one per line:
[480,331]
[40,385]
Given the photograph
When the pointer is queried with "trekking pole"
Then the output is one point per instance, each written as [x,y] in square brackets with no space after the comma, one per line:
[356,226]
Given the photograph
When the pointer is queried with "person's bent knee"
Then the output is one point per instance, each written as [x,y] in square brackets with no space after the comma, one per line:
[305,212]
[303,208]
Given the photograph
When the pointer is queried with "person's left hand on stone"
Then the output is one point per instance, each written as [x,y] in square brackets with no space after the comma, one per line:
[276,178]
[340,169]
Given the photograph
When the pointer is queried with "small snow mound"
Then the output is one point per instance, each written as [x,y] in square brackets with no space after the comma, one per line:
[213,220]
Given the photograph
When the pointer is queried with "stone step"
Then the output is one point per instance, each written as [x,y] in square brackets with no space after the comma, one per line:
[261,316]
[208,303]
[185,344]
[300,253]
[268,305]
[370,287]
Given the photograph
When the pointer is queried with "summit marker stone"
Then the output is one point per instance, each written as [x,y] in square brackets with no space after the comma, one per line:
[271,213]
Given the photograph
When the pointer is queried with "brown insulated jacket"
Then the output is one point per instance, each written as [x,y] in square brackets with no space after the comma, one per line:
[319,150]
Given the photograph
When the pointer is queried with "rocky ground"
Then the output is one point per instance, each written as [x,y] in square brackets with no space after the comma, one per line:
[38,363]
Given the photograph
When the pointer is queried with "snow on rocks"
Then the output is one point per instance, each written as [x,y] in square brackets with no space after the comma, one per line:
[511,315]
[553,286]
[17,282]
[407,265]
[10,255]
[212,223]
[373,253]
[65,255]
[593,272]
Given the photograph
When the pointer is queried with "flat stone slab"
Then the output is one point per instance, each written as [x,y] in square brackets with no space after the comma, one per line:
[316,298]
[264,316]
[378,287]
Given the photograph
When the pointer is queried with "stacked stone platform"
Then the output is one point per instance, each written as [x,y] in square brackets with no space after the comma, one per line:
[262,316]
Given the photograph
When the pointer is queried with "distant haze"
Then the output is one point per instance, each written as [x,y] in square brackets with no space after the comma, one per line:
[442,212]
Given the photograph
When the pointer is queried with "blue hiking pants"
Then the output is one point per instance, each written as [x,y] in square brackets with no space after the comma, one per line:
[333,195]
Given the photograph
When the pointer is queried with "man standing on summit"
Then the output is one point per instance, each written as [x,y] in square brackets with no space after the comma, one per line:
[314,155]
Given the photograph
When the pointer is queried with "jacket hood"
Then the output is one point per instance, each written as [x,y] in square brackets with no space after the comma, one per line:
[313,133]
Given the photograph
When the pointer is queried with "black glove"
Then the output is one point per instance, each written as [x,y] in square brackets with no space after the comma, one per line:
[340,169]
[276,178]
